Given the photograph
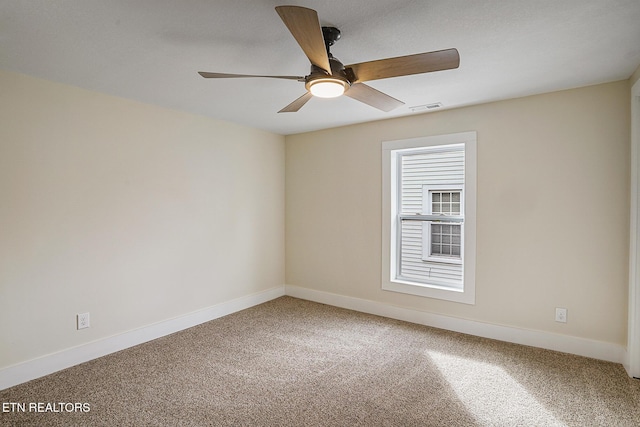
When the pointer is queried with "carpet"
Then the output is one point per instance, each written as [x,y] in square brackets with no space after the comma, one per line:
[291,362]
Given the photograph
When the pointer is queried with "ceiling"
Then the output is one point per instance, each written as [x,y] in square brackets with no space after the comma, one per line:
[151,50]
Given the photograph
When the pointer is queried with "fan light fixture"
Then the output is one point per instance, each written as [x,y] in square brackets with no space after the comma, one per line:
[327,88]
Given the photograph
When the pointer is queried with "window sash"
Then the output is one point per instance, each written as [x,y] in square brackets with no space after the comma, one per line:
[444,235]
[445,202]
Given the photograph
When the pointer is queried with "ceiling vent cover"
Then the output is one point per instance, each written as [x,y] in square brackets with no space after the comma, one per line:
[426,107]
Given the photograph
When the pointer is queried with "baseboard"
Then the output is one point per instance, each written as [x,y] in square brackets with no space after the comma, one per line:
[563,343]
[45,365]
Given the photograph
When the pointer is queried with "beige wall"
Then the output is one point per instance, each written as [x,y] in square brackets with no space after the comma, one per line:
[138,214]
[133,213]
[552,213]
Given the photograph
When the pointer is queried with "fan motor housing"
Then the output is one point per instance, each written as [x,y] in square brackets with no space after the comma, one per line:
[337,75]
[337,70]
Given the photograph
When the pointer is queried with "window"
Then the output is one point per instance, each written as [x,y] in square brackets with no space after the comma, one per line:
[429,200]
[442,238]
[444,241]
[444,202]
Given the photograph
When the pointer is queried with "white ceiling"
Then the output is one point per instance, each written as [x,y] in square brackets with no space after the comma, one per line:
[150,51]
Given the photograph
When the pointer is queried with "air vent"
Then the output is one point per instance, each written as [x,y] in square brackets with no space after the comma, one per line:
[426,107]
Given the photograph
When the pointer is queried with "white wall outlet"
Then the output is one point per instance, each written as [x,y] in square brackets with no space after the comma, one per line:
[83,320]
[561,315]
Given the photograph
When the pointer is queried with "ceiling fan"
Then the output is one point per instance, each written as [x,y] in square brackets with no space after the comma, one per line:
[329,78]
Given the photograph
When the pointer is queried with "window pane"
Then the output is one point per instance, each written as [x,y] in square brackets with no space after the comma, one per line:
[445,202]
[445,240]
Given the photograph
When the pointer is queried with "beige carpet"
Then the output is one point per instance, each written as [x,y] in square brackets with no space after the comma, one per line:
[291,362]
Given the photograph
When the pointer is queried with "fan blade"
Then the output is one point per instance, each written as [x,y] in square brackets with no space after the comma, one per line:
[406,65]
[207,75]
[297,104]
[372,97]
[304,25]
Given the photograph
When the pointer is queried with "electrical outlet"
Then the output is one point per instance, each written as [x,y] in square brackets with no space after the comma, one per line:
[83,320]
[561,315]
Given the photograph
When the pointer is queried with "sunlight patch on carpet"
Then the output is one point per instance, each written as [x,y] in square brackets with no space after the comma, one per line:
[490,394]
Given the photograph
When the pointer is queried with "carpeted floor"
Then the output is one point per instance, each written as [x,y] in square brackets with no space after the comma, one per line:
[291,362]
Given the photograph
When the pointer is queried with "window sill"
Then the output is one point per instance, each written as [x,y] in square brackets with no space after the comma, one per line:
[436,291]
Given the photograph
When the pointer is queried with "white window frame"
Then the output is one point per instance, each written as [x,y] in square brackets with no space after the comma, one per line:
[427,203]
[390,235]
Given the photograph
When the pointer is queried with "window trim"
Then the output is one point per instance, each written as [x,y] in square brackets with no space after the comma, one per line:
[390,202]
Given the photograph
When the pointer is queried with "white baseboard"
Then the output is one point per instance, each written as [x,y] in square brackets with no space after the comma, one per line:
[45,365]
[54,362]
[547,340]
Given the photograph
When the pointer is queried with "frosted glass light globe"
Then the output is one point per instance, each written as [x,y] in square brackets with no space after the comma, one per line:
[327,88]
